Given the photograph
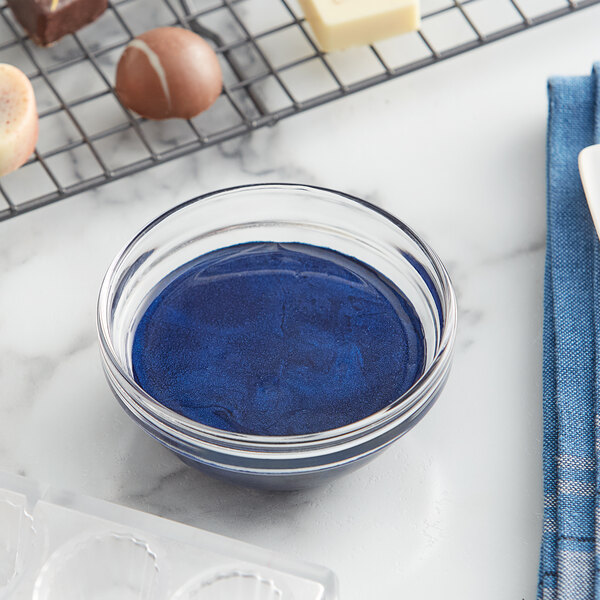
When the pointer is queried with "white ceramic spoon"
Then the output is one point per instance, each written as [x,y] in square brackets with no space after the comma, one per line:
[589,170]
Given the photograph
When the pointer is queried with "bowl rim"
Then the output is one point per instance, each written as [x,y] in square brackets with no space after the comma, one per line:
[416,394]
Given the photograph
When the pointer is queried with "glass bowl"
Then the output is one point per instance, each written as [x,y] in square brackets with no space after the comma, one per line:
[275,213]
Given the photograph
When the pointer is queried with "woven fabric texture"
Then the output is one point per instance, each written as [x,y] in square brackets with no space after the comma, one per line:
[570,558]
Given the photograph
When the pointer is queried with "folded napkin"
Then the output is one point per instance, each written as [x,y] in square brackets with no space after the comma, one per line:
[570,556]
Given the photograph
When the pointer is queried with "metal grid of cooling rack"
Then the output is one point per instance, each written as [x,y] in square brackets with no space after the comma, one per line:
[272,69]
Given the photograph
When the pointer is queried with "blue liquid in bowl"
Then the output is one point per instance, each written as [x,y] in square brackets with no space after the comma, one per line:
[278,339]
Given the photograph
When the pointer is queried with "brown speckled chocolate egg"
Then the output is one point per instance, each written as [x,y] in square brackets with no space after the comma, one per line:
[167,73]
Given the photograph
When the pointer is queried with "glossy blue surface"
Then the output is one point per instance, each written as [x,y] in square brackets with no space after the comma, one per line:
[278,339]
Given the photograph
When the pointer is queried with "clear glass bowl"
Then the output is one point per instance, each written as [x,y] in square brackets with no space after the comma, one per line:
[277,213]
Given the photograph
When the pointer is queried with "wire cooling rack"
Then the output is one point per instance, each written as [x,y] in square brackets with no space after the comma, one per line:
[272,69]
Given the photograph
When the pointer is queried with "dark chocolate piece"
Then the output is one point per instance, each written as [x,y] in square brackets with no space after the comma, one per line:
[46,21]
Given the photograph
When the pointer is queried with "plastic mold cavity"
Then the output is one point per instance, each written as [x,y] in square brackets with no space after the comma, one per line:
[55,545]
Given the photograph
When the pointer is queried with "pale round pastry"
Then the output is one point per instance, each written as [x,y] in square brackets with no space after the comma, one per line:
[168,72]
[18,119]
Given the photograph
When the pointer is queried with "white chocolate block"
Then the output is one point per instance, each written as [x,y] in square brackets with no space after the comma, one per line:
[339,24]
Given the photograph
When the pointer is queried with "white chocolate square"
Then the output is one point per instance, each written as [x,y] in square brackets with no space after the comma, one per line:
[339,24]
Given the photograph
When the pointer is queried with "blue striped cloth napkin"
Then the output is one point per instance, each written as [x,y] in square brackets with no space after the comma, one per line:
[570,556]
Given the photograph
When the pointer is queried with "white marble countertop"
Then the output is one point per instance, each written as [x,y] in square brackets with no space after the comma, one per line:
[454,508]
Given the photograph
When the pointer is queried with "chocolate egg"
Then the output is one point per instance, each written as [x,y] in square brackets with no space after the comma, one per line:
[167,73]
[18,119]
